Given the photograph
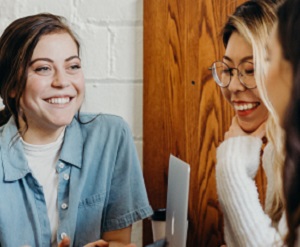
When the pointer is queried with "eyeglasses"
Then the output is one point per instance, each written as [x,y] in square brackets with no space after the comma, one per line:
[222,74]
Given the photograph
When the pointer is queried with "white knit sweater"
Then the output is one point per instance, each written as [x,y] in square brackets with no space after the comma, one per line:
[245,222]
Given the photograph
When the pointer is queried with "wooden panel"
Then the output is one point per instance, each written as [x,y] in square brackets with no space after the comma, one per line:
[184,111]
[209,117]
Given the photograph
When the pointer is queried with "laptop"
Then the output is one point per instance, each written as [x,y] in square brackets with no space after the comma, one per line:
[177,202]
[177,205]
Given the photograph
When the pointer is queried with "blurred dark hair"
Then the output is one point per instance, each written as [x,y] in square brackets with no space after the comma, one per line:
[289,38]
[17,44]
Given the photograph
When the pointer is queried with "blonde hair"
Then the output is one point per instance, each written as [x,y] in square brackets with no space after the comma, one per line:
[255,26]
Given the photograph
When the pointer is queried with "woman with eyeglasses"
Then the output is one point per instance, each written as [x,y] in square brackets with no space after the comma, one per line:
[240,74]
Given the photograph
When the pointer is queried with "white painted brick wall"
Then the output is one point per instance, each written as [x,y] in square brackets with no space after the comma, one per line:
[111,33]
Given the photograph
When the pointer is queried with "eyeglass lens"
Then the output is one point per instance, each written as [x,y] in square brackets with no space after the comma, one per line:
[223,74]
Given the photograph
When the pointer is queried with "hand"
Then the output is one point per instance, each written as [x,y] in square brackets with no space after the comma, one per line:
[99,243]
[65,242]
[102,243]
[235,130]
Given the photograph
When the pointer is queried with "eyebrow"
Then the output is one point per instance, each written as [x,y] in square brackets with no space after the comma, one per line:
[242,60]
[51,61]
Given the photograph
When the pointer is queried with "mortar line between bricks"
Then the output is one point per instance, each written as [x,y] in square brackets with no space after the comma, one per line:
[115,23]
[113,81]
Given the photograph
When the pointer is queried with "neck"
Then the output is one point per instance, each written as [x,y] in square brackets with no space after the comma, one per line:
[39,136]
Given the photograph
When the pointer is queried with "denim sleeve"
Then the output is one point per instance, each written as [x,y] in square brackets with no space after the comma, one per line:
[128,201]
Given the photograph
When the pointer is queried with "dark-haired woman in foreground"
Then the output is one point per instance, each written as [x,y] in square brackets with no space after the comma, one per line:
[283,89]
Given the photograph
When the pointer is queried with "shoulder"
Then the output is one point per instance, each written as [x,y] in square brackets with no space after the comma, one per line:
[105,125]
[92,120]
[240,146]
[242,152]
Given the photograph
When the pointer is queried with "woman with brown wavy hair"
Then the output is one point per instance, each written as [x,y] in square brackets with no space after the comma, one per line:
[67,178]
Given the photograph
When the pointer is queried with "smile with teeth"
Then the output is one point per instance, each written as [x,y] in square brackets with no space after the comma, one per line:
[245,106]
[59,101]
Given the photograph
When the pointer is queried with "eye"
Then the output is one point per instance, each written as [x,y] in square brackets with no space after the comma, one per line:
[225,70]
[228,71]
[75,67]
[40,69]
[43,70]
[249,71]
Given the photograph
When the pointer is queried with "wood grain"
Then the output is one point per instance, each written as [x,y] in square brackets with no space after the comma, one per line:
[211,118]
[184,111]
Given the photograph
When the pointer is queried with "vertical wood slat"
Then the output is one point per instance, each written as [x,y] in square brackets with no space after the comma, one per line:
[164,70]
[184,111]
[210,116]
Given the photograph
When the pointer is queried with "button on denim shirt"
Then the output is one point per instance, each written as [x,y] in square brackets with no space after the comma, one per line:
[100,188]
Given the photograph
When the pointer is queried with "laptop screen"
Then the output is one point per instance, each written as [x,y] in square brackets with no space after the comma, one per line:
[177,202]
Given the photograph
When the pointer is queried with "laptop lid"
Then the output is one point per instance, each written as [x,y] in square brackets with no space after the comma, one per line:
[177,202]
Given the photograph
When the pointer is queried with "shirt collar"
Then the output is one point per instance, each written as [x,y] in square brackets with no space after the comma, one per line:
[15,164]
[72,148]
[14,161]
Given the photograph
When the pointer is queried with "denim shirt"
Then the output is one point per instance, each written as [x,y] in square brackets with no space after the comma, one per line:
[100,188]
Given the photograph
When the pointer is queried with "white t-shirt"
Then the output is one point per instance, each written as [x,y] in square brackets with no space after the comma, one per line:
[42,161]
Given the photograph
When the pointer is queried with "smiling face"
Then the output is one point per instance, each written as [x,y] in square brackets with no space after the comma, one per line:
[279,77]
[54,89]
[249,109]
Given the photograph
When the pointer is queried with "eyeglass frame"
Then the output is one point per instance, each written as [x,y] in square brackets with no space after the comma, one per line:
[230,71]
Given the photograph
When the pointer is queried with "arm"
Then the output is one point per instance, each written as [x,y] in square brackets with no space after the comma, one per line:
[127,201]
[118,238]
[238,159]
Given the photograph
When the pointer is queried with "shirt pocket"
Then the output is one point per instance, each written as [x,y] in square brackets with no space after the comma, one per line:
[89,219]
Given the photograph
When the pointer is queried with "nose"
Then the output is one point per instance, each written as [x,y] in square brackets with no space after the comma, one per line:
[235,85]
[60,79]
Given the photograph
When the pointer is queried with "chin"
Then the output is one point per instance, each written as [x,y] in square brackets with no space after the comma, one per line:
[249,130]
[61,122]
[248,127]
